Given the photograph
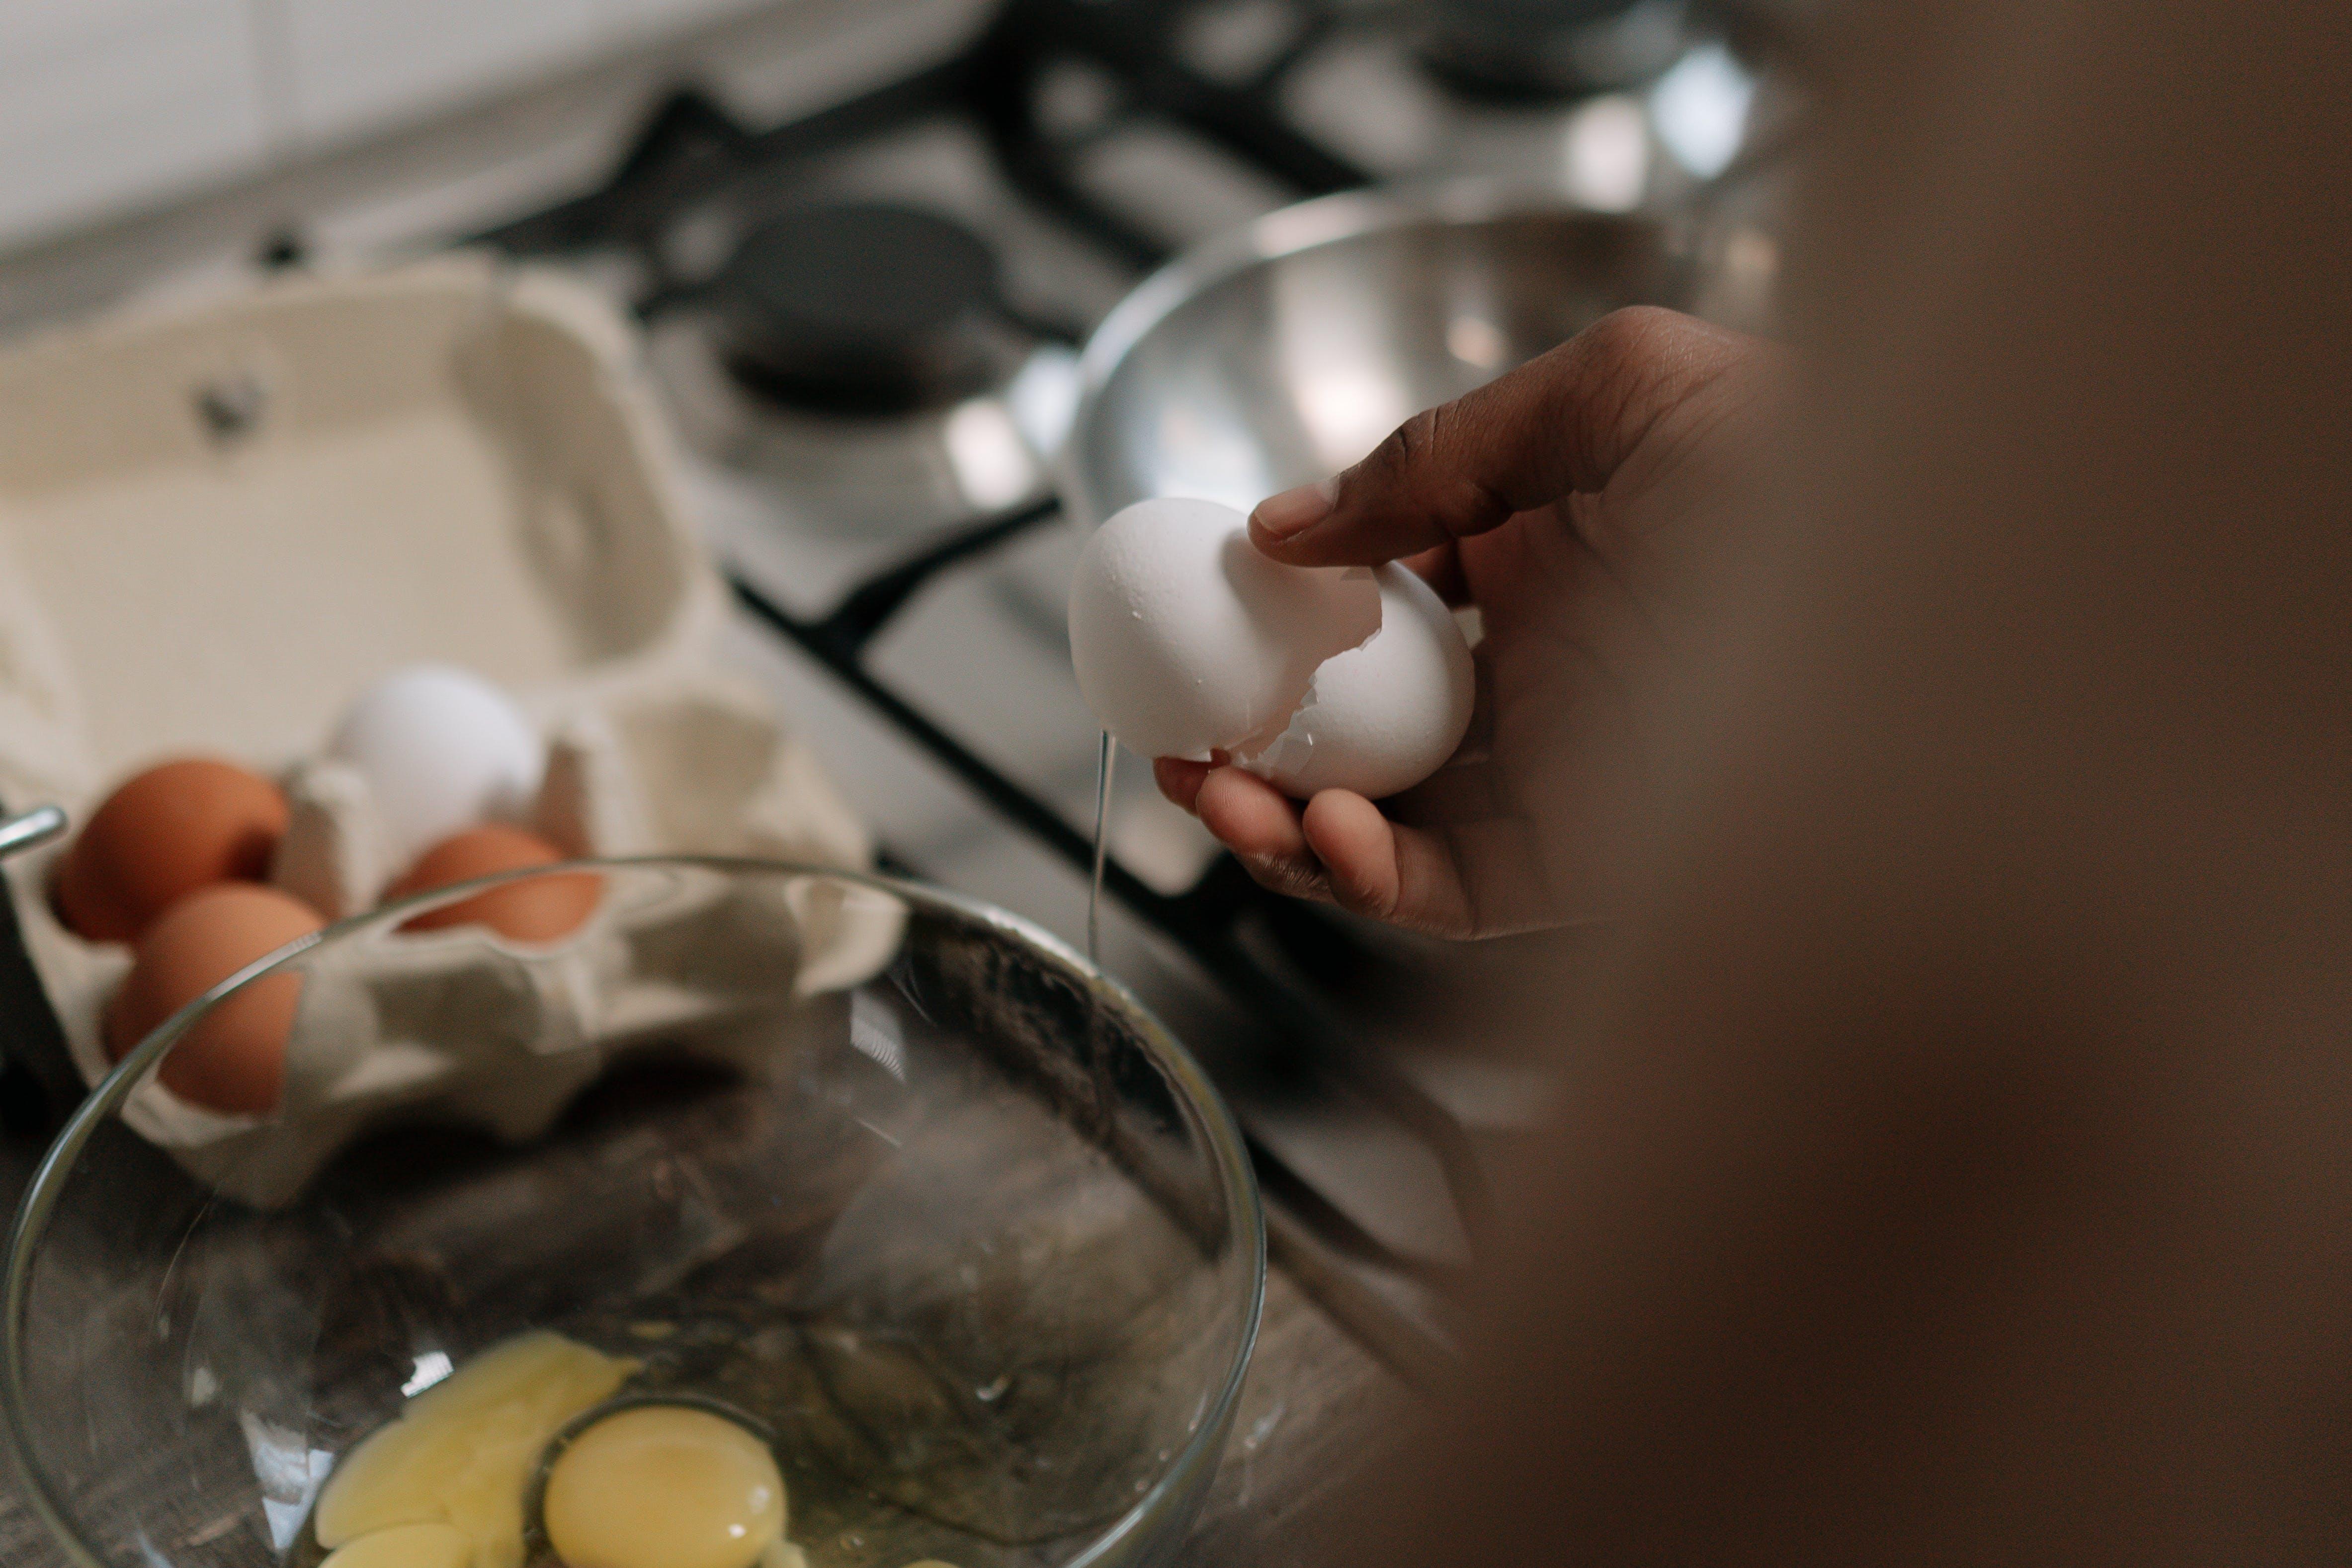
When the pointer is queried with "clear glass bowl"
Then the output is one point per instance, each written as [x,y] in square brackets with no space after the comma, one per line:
[894,1173]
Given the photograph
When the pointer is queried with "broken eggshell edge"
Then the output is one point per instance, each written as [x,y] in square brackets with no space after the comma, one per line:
[1189,643]
[1186,640]
[1382,716]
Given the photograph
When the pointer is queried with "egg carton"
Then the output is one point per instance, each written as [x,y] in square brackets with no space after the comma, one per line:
[219,522]
[461,1025]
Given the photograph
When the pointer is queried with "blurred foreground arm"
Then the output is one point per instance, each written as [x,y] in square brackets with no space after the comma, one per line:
[1961,1169]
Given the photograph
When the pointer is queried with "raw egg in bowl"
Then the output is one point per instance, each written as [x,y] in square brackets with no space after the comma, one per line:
[950,1254]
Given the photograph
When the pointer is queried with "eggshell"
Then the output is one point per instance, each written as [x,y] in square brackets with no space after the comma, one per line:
[535,909]
[234,1060]
[441,750]
[1187,640]
[164,833]
[1379,718]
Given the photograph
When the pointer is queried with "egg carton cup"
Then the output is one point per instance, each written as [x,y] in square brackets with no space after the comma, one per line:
[452,463]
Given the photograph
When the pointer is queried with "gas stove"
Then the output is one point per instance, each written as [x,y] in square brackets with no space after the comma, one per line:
[866,241]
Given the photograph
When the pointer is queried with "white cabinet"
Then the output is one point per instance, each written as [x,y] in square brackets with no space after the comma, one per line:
[110,105]
[639,18]
[353,66]
[105,104]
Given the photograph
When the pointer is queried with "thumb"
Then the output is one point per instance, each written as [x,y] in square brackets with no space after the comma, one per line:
[1559,423]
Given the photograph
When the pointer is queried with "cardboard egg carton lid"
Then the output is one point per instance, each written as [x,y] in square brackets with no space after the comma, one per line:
[218,523]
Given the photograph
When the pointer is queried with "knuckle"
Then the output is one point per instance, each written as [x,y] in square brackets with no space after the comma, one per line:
[1626,337]
[1441,479]
[1373,904]
[1291,878]
[1622,353]
[1395,460]
[1622,368]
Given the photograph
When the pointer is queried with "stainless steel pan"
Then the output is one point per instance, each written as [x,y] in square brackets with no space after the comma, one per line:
[34,828]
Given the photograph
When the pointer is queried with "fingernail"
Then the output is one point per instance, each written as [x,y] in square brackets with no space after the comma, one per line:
[1295,511]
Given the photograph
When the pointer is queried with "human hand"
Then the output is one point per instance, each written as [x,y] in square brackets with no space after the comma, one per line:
[1537,499]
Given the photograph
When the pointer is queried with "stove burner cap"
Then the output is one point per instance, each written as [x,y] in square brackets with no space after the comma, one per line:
[861,309]
[1528,50]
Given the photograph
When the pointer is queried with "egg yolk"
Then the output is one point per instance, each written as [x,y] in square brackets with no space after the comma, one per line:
[407,1546]
[664,1486]
[461,1453]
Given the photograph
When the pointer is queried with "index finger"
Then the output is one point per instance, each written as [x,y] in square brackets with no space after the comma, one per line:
[1560,424]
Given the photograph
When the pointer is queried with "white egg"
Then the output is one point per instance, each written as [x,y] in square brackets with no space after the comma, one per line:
[441,750]
[1187,640]
[1379,718]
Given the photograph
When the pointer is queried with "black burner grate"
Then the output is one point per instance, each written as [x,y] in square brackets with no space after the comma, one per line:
[691,152]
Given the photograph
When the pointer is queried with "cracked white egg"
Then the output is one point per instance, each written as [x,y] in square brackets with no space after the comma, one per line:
[1187,641]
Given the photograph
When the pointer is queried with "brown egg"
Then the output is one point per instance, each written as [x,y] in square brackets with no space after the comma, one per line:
[162,835]
[537,909]
[236,1059]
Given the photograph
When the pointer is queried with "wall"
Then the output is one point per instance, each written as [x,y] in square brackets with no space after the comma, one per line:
[107,106]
